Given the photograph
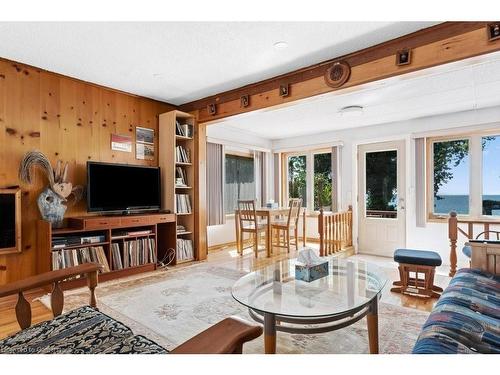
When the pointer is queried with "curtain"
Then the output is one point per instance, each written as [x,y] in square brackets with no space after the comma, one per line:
[420,181]
[215,183]
[260,168]
[239,181]
[277,177]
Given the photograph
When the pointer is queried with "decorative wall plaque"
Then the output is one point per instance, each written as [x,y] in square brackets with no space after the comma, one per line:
[403,57]
[245,101]
[337,74]
[493,30]
[212,109]
[284,90]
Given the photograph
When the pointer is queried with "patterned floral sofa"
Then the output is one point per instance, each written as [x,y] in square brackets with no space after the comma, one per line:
[466,318]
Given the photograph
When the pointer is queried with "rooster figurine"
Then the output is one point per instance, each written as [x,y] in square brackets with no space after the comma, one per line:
[51,201]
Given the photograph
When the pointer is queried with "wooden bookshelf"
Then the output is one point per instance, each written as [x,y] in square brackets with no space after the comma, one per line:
[162,227]
[169,141]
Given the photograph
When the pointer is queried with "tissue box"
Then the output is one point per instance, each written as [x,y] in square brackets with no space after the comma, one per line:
[272,205]
[312,272]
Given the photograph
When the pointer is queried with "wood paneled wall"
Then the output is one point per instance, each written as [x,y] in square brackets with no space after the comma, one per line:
[66,119]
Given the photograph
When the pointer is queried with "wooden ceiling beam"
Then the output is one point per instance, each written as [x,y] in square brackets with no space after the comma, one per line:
[437,45]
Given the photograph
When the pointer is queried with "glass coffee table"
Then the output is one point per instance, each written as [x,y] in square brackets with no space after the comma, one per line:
[350,292]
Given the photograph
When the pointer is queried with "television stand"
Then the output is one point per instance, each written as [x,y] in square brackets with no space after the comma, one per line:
[157,227]
[132,213]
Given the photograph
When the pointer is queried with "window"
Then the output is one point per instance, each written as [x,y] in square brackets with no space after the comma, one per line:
[381,181]
[323,181]
[297,178]
[451,176]
[311,175]
[239,181]
[464,176]
[491,175]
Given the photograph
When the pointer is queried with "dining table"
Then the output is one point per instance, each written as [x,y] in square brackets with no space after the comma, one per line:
[267,213]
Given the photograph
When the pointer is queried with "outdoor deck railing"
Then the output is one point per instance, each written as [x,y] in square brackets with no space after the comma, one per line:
[454,229]
[335,231]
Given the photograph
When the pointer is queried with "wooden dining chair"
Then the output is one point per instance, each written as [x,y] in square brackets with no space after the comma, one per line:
[249,223]
[283,226]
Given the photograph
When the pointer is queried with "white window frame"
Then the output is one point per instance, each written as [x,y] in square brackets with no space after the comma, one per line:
[309,154]
[475,175]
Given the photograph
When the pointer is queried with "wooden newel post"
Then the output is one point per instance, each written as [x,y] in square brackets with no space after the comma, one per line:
[349,210]
[452,235]
[321,233]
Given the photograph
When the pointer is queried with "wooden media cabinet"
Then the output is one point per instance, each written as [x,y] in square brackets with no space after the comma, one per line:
[115,231]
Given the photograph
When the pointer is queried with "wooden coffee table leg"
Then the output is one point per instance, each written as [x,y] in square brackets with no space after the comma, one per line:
[372,318]
[269,333]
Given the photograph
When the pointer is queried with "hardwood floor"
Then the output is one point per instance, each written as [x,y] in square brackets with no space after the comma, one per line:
[8,322]
[247,262]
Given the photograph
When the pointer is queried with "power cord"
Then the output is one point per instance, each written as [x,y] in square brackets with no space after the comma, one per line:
[166,260]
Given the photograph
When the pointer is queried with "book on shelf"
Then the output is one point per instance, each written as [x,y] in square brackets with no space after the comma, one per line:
[181,229]
[180,177]
[139,232]
[184,130]
[64,258]
[182,204]
[116,256]
[135,253]
[182,155]
[184,249]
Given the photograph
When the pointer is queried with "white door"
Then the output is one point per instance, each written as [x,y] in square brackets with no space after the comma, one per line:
[381,198]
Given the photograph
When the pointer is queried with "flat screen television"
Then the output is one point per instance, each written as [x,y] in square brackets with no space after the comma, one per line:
[121,188]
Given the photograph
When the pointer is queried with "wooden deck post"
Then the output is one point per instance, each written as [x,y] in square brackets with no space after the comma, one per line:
[349,226]
[452,235]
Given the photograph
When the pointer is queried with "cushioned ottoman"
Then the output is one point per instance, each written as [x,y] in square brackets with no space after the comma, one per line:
[412,264]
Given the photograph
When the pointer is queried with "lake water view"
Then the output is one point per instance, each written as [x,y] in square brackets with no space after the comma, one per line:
[460,204]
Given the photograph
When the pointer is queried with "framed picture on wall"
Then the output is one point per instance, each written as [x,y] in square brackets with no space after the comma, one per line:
[144,151]
[144,135]
[121,143]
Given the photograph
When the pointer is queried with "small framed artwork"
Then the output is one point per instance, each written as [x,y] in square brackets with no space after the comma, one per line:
[144,151]
[121,143]
[403,57]
[212,109]
[284,90]
[144,135]
[493,31]
[245,101]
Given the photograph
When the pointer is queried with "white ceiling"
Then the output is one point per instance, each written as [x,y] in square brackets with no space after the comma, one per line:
[179,62]
[464,85]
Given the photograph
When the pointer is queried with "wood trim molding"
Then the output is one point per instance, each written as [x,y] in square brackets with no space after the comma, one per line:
[437,45]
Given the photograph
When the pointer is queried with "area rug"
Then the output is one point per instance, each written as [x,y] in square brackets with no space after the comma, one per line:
[172,306]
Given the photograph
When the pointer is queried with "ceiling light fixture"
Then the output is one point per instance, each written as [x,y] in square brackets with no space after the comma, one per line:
[280,45]
[351,111]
